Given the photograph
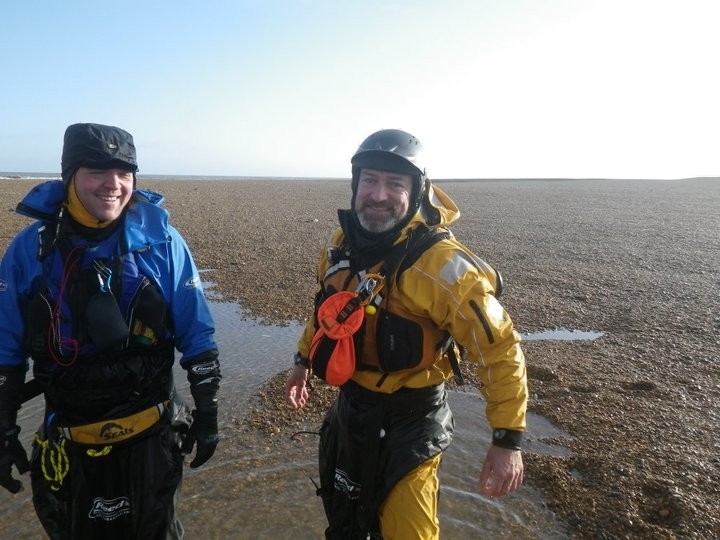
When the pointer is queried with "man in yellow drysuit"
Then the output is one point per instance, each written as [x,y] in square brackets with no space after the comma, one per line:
[422,294]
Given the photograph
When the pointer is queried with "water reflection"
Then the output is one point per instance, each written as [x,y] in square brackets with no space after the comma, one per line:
[562,334]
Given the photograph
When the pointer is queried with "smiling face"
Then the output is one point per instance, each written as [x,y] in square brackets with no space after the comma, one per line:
[104,192]
[382,199]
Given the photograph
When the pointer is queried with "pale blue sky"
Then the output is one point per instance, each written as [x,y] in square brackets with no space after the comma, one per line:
[493,88]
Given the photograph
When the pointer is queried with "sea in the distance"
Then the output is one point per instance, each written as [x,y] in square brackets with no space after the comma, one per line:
[38,176]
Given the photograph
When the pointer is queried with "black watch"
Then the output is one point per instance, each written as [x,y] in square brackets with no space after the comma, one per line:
[508,438]
[300,361]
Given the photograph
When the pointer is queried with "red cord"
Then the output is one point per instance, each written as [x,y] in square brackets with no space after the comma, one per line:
[56,342]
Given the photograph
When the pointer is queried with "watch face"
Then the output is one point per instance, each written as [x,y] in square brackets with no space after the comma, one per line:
[300,361]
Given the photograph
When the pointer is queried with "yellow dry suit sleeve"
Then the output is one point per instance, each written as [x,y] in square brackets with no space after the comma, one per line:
[306,337]
[448,285]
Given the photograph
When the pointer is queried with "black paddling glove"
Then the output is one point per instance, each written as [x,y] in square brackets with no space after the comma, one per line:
[12,452]
[204,377]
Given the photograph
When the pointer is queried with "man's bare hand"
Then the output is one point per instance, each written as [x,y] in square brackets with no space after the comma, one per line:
[296,393]
[502,472]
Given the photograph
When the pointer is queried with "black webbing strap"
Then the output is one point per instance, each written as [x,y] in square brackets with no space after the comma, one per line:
[403,257]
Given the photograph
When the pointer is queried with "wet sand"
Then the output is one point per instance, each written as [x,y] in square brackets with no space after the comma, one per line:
[636,260]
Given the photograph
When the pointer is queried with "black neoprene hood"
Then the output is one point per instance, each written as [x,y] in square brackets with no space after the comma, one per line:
[99,146]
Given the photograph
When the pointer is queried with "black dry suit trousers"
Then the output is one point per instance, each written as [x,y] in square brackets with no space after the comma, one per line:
[368,442]
[127,492]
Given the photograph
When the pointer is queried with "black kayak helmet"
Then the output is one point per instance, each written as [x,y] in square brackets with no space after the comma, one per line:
[392,150]
[97,146]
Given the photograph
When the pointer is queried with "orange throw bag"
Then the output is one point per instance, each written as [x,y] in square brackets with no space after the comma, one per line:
[332,351]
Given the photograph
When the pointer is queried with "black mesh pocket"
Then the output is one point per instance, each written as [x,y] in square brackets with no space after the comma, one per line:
[399,342]
[105,324]
[149,309]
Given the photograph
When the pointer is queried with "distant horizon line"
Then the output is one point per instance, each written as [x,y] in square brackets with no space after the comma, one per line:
[32,175]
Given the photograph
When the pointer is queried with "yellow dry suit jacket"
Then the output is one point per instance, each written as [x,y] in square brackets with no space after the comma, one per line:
[447,290]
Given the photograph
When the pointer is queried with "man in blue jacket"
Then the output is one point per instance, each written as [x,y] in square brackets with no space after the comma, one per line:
[99,292]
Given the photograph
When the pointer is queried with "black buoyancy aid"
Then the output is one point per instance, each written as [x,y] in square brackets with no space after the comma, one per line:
[89,289]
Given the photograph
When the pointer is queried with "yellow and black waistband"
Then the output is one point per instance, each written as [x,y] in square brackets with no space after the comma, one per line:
[117,429]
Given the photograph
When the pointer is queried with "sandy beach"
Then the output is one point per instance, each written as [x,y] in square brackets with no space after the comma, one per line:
[637,261]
